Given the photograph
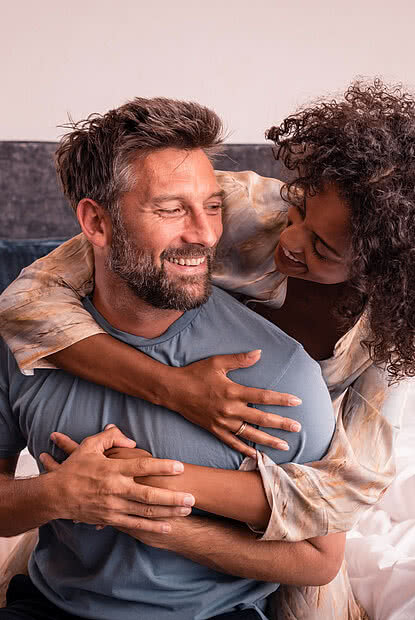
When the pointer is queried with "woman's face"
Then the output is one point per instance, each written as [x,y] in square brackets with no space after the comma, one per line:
[315,245]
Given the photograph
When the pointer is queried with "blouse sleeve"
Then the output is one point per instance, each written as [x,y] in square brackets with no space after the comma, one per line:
[41,311]
[330,495]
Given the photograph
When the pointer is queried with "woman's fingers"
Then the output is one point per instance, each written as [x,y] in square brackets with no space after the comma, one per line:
[235,443]
[265,397]
[268,420]
[232,361]
[264,439]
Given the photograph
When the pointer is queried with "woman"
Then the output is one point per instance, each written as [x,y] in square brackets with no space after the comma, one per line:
[349,225]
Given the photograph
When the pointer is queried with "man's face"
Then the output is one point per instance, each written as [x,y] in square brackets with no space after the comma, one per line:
[164,240]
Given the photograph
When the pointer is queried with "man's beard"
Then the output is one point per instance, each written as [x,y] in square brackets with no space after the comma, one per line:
[151,283]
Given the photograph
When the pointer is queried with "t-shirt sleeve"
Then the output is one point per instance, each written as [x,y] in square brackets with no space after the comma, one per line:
[41,311]
[303,378]
[11,439]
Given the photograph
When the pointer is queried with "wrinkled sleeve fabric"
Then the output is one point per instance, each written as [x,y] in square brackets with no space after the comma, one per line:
[41,311]
[329,495]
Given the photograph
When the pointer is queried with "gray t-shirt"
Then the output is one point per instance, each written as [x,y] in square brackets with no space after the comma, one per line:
[106,574]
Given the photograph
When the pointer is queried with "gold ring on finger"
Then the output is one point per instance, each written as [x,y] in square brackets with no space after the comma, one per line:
[241,429]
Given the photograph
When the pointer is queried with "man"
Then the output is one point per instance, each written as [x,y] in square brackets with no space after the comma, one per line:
[148,201]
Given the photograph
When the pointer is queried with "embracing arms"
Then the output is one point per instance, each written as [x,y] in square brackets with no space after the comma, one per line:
[236,549]
[314,491]
[89,487]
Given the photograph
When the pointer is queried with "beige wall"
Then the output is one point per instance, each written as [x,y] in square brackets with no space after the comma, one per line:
[254,62]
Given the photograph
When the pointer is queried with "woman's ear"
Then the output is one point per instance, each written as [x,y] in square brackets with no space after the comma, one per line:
[95,222]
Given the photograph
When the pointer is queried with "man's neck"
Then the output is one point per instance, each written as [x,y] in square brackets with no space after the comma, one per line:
[126,312]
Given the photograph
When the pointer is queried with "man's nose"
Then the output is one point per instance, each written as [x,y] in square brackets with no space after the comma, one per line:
[203,229]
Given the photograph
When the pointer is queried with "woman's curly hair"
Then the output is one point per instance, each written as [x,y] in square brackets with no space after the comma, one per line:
[365,145]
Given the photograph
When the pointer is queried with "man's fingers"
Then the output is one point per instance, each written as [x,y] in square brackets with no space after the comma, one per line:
[151,511]
[64,442]
[109,438]
[150,467]
[143,494]
[128,523]
[48,462]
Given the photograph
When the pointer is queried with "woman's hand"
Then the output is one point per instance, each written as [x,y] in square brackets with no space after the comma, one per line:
[204,395]
[201,392]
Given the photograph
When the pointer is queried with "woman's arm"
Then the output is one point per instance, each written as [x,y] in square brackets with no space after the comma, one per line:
[227,493]
[237,551]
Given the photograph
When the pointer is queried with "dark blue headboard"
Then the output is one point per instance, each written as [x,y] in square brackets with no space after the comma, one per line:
[18,253]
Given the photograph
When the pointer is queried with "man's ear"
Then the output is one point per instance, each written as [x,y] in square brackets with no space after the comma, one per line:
[95,222]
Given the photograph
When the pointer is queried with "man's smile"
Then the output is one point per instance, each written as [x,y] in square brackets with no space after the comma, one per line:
[187,261]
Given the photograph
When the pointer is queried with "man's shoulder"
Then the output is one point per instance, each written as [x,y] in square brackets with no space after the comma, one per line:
[239,329]
[225,308]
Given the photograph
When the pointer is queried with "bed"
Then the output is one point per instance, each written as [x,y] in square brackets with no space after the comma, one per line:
[34,219]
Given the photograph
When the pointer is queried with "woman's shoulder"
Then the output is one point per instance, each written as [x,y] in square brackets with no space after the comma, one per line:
[250,184]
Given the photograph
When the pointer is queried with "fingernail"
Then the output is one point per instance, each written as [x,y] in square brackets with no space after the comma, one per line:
[189,500]
[53,436]
[166,529]
[252,354]
[294,401]
[284,446]
[109,426]
[252,455]
[41,457]
[295,427]
[178,467]
[185,511]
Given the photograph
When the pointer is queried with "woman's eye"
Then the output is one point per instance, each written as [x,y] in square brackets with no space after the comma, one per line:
[317,253]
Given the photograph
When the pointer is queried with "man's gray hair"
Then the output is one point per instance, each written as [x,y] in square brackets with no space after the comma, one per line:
[94,160]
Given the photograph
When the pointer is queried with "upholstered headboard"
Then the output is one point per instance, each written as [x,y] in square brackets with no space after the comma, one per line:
[32,206]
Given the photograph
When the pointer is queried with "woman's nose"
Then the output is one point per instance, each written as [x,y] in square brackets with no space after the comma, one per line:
[293,239]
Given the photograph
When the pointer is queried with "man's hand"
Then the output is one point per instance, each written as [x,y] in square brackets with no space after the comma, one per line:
[94,489]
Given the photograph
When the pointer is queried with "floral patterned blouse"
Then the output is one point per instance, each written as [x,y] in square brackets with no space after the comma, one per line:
[41,313]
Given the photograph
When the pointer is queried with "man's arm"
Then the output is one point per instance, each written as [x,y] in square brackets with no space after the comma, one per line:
[90,488]
[237,551]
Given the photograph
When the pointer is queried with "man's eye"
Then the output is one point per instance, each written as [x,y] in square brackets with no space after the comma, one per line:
[175,211]
[215,207]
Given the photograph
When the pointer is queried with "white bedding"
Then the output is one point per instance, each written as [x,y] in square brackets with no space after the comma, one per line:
[380,551]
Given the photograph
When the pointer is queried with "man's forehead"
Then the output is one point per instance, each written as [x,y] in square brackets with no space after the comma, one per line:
[166,168]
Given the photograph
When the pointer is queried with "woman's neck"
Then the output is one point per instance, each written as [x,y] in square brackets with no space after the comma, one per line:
[308,315]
